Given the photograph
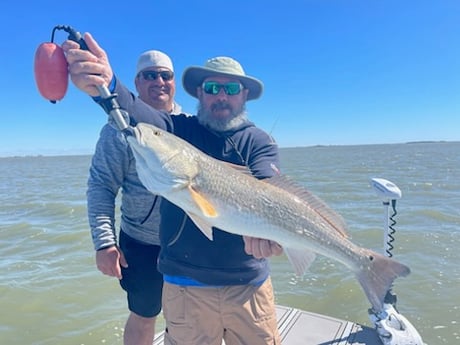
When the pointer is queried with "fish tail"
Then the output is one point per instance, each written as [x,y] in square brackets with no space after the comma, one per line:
[377,276]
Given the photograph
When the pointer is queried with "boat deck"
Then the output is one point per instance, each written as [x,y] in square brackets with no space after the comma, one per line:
[298,327]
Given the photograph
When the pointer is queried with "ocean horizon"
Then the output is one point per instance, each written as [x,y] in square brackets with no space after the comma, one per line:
[89,151]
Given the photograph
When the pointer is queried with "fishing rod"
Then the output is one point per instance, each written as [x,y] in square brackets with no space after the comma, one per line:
[391,326]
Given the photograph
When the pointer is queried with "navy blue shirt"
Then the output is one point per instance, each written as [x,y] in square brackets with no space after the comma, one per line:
[185,251]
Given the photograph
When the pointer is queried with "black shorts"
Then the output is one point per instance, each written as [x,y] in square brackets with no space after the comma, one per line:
[141,279]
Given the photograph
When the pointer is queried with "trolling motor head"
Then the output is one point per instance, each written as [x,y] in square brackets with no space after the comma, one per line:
[385,189]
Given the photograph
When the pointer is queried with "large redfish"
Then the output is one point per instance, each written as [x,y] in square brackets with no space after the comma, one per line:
[214,194]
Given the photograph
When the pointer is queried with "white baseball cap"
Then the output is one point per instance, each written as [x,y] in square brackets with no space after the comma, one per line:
[153,58]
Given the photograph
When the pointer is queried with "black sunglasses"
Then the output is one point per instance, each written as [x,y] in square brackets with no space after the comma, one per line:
[213,88]
[153,75]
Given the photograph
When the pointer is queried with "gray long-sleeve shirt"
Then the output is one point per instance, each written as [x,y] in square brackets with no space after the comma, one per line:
[113,169]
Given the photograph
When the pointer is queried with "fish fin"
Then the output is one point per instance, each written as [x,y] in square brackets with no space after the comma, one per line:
[204,205]
[377,276]
[301,259]
[318,205]
[201,224]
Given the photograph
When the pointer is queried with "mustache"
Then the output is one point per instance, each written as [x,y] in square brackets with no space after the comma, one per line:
[221,105]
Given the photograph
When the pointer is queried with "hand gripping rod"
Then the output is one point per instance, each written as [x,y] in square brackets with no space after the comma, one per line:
[109,101]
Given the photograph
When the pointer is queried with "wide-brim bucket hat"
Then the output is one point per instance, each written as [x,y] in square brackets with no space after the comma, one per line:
[220,66]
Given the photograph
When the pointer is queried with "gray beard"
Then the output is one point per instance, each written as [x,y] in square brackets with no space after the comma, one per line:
[206,119]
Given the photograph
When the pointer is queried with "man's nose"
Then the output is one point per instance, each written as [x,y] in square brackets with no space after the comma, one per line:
[222,94]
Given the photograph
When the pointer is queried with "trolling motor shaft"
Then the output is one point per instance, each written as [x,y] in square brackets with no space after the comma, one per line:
[391,326]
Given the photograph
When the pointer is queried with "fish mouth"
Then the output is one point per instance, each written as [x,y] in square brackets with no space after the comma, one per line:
[137,134]
[142,143]
[140,138]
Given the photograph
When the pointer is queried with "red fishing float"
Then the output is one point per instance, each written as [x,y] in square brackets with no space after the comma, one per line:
[51,71]
[52,78]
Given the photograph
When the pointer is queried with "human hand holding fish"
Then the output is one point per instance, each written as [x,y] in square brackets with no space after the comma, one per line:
[261,248]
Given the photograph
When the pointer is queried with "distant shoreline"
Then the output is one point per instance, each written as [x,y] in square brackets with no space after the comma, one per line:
[67,154]
[403,143]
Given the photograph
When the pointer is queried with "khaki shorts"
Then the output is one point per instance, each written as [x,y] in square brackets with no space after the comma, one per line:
[241,315]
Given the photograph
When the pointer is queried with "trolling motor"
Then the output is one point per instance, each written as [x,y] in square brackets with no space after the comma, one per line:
[52,77]
[392,327]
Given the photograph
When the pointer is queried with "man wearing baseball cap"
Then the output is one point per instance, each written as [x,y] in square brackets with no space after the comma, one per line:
[155,82]
[213,290]
[132,258]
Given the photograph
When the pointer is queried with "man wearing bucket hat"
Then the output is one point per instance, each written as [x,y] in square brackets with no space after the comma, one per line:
[132,259]
[213,290]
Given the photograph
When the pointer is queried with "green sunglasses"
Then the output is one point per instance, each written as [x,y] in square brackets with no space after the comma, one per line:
[213,88]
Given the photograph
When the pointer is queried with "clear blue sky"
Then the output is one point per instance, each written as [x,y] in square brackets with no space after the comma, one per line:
[335,72]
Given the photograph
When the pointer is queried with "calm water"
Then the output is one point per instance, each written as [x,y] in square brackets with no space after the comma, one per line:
[52,293]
